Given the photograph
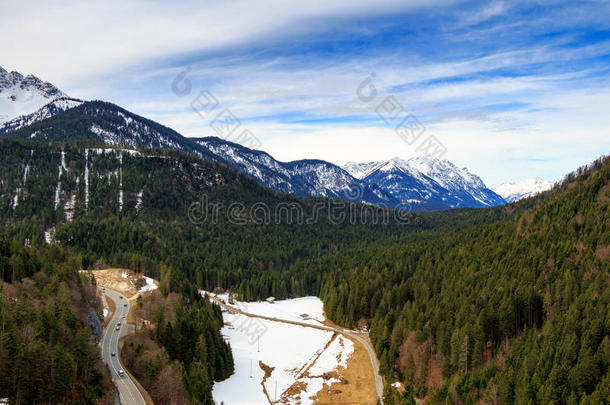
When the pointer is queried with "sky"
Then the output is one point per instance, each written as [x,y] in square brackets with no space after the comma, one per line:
[512,89]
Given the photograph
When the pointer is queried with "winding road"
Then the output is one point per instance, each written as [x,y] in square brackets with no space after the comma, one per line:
[129,393]
[359,336]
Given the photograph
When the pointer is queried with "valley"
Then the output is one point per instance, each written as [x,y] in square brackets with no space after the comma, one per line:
[305,203]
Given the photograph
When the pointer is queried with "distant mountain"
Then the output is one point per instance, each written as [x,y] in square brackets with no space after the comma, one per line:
[302,177]
[417,184]
[420,180]
[21,95]
[528,188]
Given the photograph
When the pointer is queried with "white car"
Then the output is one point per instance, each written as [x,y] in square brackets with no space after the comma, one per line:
[121,373]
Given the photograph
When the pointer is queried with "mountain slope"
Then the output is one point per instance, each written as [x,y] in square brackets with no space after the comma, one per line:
[512,192]
[418,185]
[47,111]
[104,123]
[432,181]
[50,318]
[302,178]
[145,208]
[21,95]
[109,124]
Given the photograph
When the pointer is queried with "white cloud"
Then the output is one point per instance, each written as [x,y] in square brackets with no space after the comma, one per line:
[61,40]
[488,11]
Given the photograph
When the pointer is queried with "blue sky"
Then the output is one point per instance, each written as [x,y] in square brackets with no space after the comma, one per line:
[512,89]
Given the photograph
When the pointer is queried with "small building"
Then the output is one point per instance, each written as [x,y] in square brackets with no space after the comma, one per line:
[270,300]
[304,317]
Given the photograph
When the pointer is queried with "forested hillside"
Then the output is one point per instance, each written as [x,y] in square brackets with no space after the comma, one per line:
[47,352]
[178,359]
[131,209]
[512,312]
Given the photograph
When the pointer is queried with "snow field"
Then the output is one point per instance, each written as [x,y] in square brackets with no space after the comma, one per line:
[296,354]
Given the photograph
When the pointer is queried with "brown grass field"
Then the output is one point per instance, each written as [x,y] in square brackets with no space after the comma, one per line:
[358,382]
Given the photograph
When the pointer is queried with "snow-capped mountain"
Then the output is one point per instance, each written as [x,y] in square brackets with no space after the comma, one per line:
[528,188]
[54,107]
[425,180]
[102,122]
[419,184]
[303,177]
[21,95]
[112,125]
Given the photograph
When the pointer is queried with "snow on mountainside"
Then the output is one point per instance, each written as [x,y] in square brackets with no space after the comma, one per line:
[528,188]
[421,184]
[112,125]
[106,123]
[302,178]
[359,170]
[47,111]
[21,95]
[422,179]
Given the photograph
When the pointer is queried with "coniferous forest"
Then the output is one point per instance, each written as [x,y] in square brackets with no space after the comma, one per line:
[506,305]
[47,352]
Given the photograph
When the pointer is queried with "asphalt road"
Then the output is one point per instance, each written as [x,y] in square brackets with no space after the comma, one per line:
[359,336]
[130,395]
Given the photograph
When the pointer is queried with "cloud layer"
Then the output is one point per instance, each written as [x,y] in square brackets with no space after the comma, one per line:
[513,89]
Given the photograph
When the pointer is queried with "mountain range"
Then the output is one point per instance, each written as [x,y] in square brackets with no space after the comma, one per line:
[422,179]
[40,111]
[512,192]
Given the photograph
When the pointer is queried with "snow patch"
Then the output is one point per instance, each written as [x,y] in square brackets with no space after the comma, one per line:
[61,168]
[149,286]
[16,198]
[120,182]
[139,200]
[86,179]
[49,235]
[69,208]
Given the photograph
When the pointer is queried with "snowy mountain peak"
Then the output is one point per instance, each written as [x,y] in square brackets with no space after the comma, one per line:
[21,95]
[528,188]
[47,111]
[428,180]
[359,170]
